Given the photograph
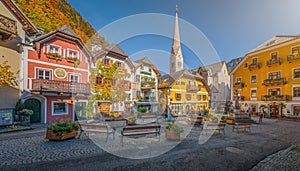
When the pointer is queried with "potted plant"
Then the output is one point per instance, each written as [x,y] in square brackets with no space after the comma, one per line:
[230,121]
[224,118]
[19,106]
[62,130]
[131,120]
[173,131]
[24,115]
[55,56]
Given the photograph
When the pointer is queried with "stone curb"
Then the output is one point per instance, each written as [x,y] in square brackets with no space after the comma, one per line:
[268,160]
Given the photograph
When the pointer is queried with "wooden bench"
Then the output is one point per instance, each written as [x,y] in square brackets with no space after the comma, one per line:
[241,126]
[214,126]
[140,130]
[87,128]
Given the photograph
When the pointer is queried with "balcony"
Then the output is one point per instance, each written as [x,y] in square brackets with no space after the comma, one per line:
[291,58]
[239,85]
[275,98]
[274,61]
[147,85]
[192,88]
[277,81]
[254,65]
[8,28]
[59,87]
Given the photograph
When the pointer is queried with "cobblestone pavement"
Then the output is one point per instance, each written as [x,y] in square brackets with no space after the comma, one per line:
[30,151]
[288,159]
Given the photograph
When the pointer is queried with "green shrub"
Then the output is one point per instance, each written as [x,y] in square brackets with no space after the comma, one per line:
[177,129]
[132,118]
[63,125]
[25,112]
[142,109]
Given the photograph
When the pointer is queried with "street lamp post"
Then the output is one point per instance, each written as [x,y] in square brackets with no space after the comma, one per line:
[237,107]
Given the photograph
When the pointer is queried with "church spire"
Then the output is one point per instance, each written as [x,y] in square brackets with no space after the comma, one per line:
[176,59]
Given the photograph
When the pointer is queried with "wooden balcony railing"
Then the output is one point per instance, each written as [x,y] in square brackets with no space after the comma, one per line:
[53,86]
[192,88]
[274,61]
[291,58]
[274,81]
[254,65]
[275,98]
[8,28]
[239,85]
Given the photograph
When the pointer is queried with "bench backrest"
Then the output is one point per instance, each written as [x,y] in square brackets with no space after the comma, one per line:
[141,127]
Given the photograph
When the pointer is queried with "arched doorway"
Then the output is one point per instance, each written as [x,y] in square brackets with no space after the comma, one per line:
[35,106]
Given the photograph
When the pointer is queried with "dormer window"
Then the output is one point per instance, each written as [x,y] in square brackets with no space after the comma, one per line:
[254,60]
[73,54]
[54,49]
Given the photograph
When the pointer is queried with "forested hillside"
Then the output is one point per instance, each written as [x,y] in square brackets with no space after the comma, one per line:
[52,14]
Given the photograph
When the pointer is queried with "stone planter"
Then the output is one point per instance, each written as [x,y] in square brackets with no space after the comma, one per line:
[171,135]
[130,122]
[61,135]
[25,120]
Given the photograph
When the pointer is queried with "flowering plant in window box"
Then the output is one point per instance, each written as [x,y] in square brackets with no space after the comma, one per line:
[55,56]
[73,60]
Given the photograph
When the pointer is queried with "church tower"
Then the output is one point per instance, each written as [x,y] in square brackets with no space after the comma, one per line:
[176,58]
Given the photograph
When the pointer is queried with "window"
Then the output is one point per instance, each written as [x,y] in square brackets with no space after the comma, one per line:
[149,70]
[119,64]
[254,60]
[99,80]
[296,110]
[138,94]
[54,49]
[142,67]
[274,91]
[295,51]
[106,61]
[253,94]
[245,65]
[59,108]
[177,83]
[43,74]
[296,91]
[188,96]
[74,78]
[253,79]
[238,79]
[72,54]
[199,97]
[274,56]
[178,96]
[296,73]
[274,75]
[204,97]
[182,83]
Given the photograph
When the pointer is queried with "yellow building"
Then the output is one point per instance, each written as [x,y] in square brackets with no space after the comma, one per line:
[269,76]
[183,92]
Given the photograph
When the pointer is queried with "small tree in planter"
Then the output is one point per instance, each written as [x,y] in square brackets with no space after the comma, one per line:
[62,130]
[25,116]
[19,106]
[132,120]
[173,131]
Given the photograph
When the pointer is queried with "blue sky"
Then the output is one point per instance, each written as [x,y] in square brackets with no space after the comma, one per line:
[233,27]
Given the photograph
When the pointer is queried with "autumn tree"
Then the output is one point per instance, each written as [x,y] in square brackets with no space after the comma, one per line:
[6,75]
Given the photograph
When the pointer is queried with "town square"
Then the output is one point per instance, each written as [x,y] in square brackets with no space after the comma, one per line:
[141,85]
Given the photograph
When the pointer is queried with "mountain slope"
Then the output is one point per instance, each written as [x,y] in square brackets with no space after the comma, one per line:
[52,14]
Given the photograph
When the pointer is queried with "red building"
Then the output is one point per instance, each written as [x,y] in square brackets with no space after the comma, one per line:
[57,75]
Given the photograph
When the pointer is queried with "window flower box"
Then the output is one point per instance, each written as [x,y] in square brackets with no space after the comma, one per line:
[55,56]
[73,60]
